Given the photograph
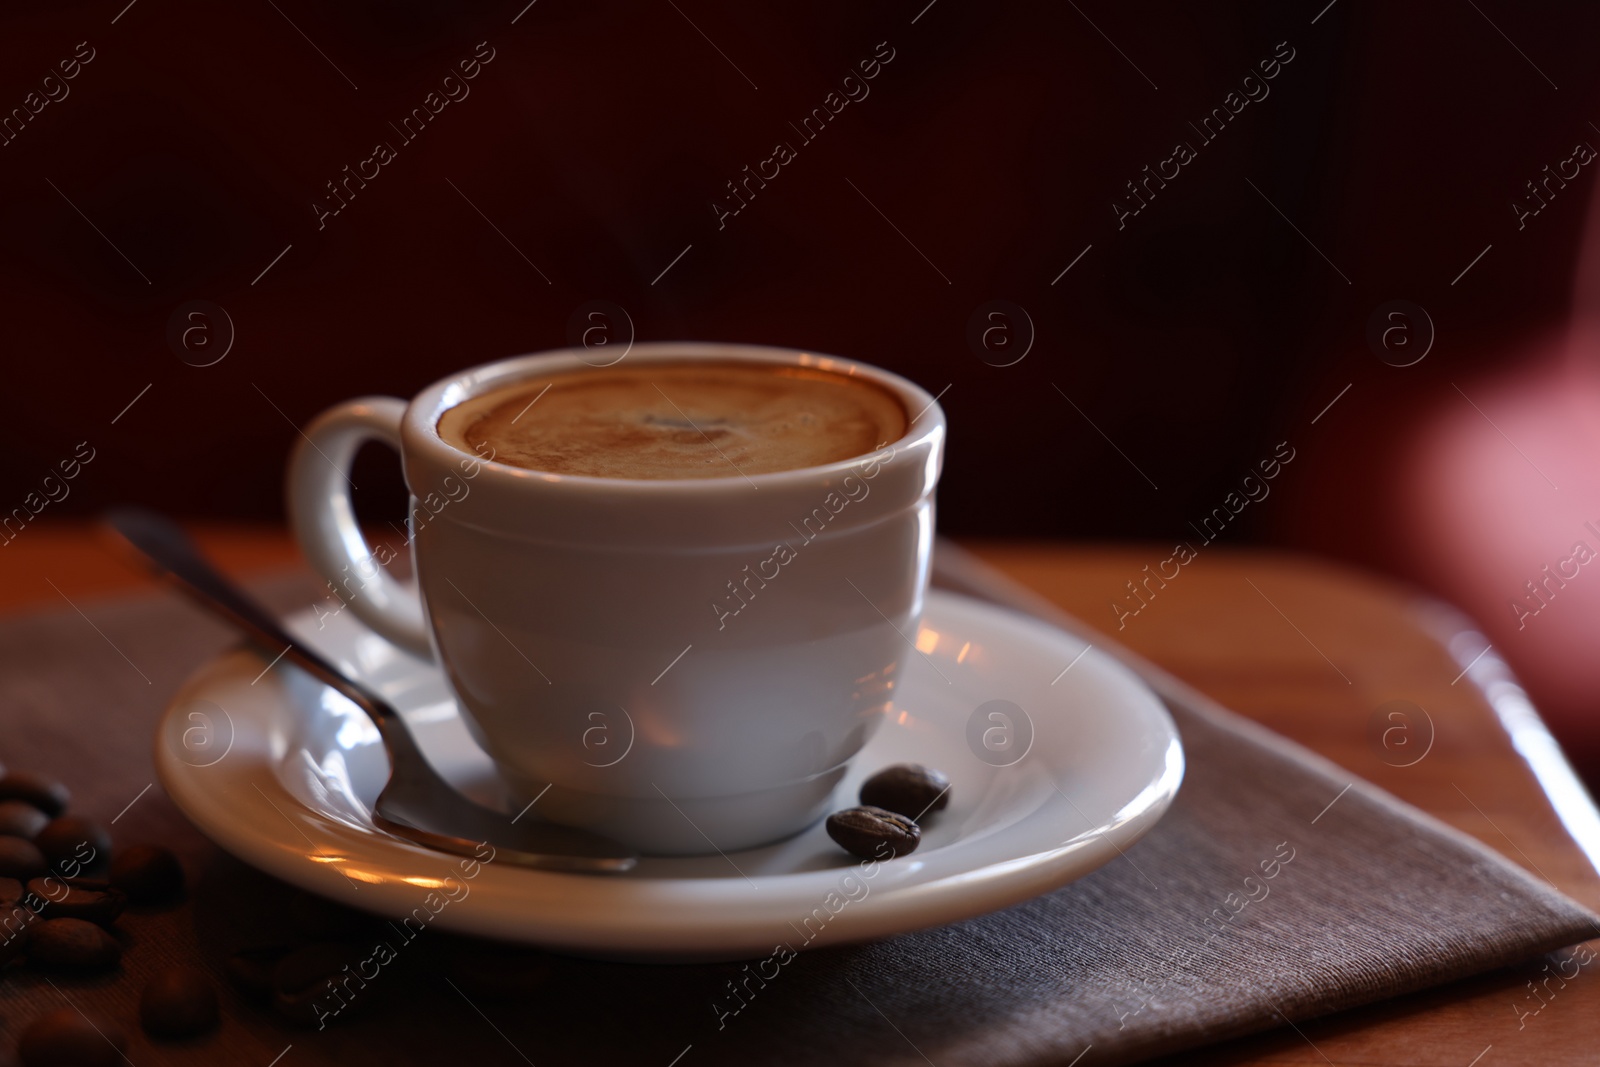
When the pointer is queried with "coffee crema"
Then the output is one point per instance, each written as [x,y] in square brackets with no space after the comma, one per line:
[676,420]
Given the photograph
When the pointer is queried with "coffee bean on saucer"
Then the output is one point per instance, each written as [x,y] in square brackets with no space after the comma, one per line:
[21,819]
[908,789]
[90,899]
[149,874]
[72,945]
[62,1037]
[20,858]
[64,838]
[46,794]
[308,984]
[250,970]
[180,1002]
[870,832]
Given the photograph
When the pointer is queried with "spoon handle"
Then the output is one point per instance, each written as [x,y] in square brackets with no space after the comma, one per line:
[164,545]
[416,803]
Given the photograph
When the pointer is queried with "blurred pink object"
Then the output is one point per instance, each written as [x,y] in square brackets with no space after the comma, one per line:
[1486,489]
[1500,511]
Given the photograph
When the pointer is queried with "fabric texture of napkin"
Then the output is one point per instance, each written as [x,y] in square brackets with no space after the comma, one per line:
[1274,888]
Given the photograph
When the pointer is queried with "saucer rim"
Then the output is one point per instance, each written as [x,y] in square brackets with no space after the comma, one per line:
[692,928]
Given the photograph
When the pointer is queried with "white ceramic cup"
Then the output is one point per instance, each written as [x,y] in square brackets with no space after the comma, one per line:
[687,665]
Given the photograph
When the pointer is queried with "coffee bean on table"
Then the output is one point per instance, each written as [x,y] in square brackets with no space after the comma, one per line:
[62,1037]
[307,983]
[500,974]
[64,839]
[250,970]
[909,789]
[180,1002]
[46,794]
[21,819]
[871,832]
[72,945]
[80,898]
[149,874]
[16,922]
[14,915]
[317,918]
[20,858]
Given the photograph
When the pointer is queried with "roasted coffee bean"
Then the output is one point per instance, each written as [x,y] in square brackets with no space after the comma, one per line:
[20,858]
[908,789]
[71,837]
[180,1002]
[250,970]
[317,982]
[72,945]
[62,1037]
[874,833]
[21,819]
[149,874]
[79,898]
[46,794]
[16,922]
[500,974]
[10,892]
[320,919]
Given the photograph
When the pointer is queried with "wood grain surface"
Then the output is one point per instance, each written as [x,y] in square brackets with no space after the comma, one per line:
[1313,651]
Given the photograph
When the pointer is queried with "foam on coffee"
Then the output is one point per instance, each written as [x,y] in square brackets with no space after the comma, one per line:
[706,419]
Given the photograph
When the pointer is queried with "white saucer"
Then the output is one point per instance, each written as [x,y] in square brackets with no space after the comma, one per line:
[282,772]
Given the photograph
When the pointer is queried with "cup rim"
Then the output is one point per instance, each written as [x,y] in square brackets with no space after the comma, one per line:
[420,424]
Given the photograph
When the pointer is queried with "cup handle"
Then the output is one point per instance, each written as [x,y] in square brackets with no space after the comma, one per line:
[324,520]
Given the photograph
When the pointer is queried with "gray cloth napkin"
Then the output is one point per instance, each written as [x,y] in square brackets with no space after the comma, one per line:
[1269,891]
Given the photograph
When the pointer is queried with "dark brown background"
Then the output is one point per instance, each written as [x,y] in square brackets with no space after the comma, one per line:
[996,140]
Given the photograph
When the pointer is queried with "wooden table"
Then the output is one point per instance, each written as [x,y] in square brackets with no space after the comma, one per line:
[1307,648]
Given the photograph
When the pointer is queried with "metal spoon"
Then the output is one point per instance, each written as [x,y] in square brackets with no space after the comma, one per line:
[416,803]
